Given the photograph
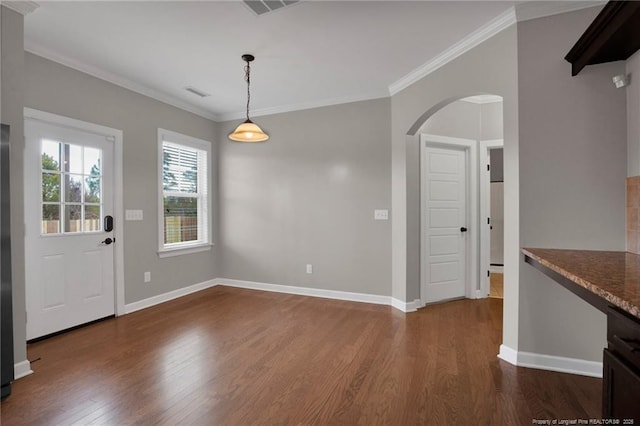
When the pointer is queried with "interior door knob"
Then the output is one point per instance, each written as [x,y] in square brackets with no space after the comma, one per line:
[463,229]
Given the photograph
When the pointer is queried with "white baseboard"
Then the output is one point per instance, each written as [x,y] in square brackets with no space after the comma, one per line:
[405,306]
[161,298]
[551,362]
[317,292]
[22,369]
[560,364]
[508,354]
[306,291]
[277,288]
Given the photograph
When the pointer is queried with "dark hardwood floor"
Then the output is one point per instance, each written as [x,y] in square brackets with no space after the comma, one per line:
[227,356]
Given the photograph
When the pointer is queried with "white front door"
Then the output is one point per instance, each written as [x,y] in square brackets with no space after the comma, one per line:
[68,193]
[444,210]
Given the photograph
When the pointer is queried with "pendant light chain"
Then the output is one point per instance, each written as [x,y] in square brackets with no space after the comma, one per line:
[247,73]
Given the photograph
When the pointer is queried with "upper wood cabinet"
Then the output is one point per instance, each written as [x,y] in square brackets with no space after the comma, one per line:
[613,36]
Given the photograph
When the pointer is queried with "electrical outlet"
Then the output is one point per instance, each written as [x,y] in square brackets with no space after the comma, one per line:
[147,277]
[381,214]
[309,268]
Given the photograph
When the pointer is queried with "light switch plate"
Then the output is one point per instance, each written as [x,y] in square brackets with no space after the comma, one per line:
[381,214]
[133,215]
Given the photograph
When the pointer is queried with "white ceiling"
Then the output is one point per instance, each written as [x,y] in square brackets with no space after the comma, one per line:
[308,54]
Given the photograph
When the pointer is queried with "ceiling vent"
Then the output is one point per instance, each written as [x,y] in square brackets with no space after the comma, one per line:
[260,7]
[197,92]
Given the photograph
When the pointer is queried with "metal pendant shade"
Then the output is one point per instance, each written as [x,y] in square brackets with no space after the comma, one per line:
[248,131]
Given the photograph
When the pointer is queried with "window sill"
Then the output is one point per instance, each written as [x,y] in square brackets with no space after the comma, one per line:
[183,250]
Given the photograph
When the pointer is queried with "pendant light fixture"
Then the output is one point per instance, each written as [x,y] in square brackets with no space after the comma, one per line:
[248,131]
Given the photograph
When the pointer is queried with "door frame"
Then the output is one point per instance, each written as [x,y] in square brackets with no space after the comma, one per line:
[115,136]
[485,212]
[472,289]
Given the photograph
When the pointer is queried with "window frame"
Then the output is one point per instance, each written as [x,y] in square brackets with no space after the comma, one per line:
[205,238]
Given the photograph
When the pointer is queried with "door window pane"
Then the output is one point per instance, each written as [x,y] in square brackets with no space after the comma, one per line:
[50,186]
[73,188]
[72,218]
[92,189]
[92,161]
[72,158]
[51,219]
[50,155]
[92,219]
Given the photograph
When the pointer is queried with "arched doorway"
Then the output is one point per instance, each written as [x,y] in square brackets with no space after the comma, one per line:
[452,156]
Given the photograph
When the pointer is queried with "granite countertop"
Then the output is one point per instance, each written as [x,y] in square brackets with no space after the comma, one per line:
[611,275]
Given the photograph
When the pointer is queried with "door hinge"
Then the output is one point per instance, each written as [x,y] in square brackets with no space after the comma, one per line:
[488,167]
[488,221]
[488,273]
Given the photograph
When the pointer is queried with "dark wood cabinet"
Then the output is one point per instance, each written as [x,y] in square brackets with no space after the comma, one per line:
[612,36]
[621,389]
[621,367]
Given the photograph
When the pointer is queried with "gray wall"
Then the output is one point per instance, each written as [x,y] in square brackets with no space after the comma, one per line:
[467,120]
[308,196]
[492,123]
[494,65]
[572,178]
[12,50]
[459,119]
[60,90]
[633,112]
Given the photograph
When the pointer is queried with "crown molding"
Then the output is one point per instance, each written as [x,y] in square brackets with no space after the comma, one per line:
[491,28]
[173,101]
[305,105]
[22,7]
[482,99]
[521,12]
[117,80]
[534,10]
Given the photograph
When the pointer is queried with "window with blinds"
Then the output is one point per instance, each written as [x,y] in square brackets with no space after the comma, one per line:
[184,180]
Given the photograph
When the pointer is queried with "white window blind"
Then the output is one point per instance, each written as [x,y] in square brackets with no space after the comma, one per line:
[180,168]
[185,205]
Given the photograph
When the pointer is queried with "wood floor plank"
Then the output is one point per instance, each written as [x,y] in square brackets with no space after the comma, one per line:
[496,285]
[228,356]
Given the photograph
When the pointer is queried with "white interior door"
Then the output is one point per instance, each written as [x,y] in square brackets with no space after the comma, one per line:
[444,209]
[69,261]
